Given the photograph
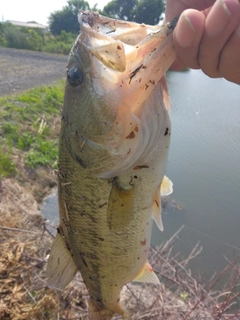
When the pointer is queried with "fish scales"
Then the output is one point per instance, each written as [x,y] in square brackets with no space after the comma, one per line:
[113,150]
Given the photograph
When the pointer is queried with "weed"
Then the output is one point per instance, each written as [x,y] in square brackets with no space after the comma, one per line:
[29,128]
[7,167]
[42,153]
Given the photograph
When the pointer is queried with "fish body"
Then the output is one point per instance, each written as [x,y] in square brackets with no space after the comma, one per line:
[113,151]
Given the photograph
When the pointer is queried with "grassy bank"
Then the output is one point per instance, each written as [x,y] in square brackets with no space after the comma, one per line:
[29,126]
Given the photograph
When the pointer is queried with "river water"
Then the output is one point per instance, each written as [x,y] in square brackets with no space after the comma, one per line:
[204,165]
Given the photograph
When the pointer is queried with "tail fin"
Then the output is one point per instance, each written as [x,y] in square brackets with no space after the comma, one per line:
[98,313]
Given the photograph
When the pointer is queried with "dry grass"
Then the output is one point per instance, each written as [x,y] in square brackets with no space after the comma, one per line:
[24,246]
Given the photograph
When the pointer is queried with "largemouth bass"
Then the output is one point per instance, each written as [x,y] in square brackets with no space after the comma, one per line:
[113,151]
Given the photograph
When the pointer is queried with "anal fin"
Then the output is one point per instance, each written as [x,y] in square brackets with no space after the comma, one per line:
[147,275]
[61,268]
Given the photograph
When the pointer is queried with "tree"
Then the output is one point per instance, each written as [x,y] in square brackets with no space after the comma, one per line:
[66,19]
[141,11]
[120,9]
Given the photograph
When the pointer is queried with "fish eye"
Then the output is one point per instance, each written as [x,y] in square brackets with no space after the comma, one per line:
[75,77]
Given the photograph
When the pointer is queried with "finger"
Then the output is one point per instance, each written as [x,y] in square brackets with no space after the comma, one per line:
[187,37]
[229,66]
[220,24]
[175,7]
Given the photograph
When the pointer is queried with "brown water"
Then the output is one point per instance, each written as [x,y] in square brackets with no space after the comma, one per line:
[204,165]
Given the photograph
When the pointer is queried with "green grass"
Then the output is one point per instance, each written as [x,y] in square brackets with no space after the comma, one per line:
[29,124]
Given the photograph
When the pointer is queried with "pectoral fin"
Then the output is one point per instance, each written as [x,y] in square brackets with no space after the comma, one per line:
[61,268]
[147,275]
[157,210]
[166,187]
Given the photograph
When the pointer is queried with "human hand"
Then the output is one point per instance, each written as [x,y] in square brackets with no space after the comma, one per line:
[208,39]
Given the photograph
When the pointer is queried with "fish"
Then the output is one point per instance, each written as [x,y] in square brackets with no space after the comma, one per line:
[113,152]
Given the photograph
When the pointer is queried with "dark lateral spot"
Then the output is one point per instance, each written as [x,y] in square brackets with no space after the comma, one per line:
[102,205]
[82,254]
[140,167]
[131,135]
[143,243]
[80,161]
[119,48]
[166,131]
[146,86]
[135,177]
[156,203]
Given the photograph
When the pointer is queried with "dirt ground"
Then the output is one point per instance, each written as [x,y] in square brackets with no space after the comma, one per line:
[22,69]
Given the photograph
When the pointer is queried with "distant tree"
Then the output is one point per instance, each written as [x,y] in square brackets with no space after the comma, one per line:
[141,11]
[66,19]
[120,9]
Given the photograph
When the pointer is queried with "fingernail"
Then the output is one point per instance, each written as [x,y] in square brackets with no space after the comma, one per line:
[225,7]
[185,32]
[216,20]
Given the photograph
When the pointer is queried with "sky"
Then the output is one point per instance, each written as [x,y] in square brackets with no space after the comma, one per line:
[39,11]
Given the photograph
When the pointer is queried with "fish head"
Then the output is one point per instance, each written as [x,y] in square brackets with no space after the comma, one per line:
[114,72]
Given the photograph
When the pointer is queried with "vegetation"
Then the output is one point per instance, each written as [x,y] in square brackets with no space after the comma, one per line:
[29,127]
[35,39]
[66,19]
[141,11]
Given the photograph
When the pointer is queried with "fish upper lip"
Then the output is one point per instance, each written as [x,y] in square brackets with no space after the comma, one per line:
[91,21]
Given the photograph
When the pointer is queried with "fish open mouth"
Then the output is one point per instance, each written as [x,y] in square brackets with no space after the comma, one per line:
[114,42]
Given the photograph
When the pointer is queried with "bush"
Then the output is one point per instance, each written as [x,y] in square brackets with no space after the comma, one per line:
[23,38]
